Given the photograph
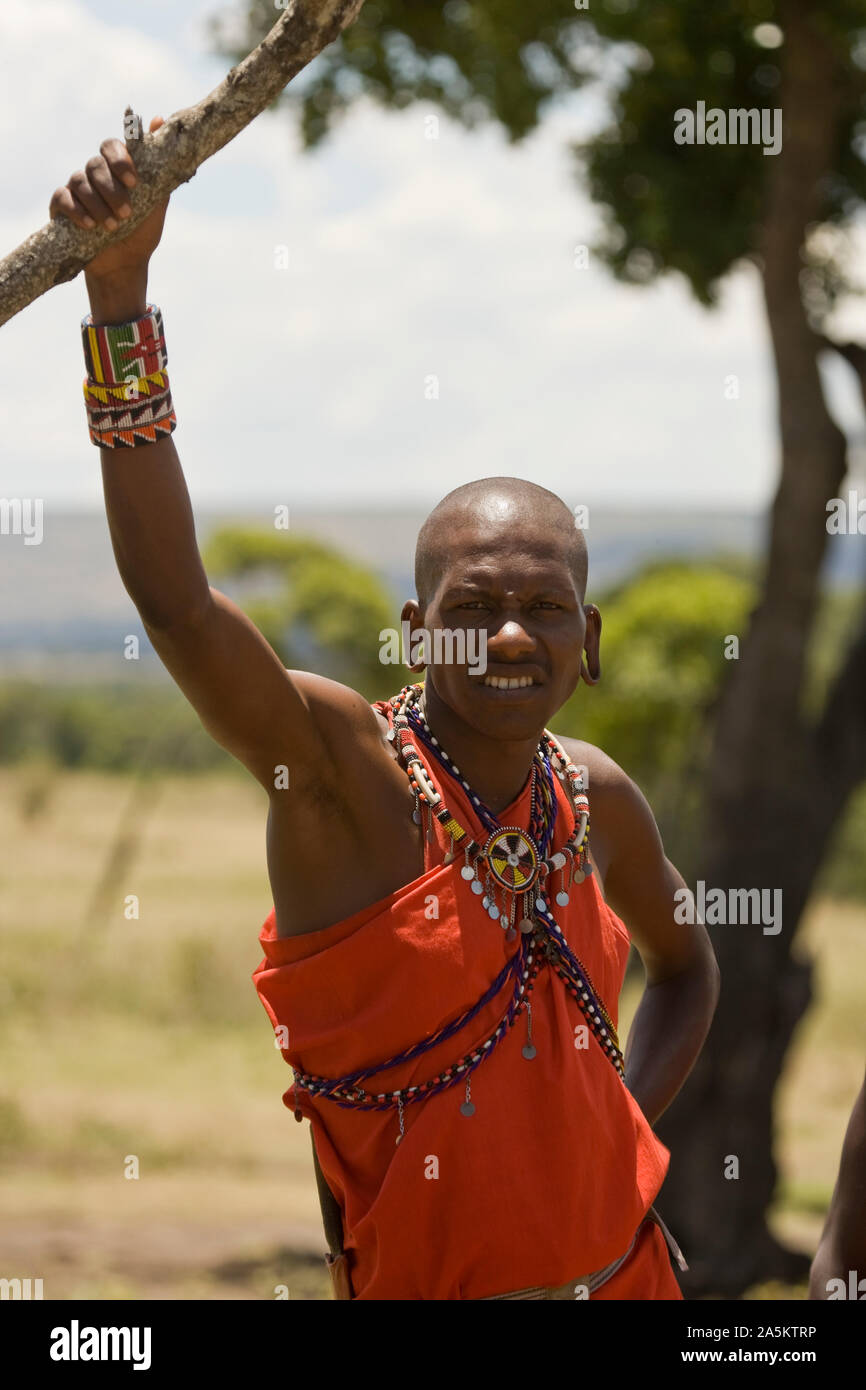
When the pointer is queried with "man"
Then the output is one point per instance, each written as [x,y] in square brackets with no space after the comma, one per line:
[839,1267]
[444,956]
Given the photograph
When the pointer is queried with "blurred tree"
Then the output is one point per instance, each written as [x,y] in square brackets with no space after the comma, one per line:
[663,662]
[109,727]
[327,612]
[780,775]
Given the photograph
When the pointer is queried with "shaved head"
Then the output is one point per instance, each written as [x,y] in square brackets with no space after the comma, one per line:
[500,564]
[488,504]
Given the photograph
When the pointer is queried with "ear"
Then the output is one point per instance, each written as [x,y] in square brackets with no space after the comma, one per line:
[590,669]
[412,615]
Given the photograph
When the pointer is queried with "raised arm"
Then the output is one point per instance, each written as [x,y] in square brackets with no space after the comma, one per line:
[230,674]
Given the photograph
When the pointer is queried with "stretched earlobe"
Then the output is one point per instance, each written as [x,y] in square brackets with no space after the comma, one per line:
[590,669]
[591,678]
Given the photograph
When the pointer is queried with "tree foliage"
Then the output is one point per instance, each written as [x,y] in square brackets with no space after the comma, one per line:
[663,661]
[695,208]
[495,60]
[324,612]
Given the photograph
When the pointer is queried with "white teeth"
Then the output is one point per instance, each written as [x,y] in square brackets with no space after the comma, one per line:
[503,683]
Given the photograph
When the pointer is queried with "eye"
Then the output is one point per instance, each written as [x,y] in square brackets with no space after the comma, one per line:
[547,603]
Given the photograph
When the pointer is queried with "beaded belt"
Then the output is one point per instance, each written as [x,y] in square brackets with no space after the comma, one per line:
[594,1281]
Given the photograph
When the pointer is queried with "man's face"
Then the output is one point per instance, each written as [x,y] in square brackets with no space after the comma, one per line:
[518,591]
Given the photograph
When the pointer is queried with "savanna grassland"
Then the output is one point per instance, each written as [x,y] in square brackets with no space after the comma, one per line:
[142,1039]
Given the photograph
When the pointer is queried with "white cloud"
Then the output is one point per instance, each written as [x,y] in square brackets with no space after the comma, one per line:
[406,257]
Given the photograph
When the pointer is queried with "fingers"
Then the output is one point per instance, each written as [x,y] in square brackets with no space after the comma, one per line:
[97,195]
[64,204]
[79,205]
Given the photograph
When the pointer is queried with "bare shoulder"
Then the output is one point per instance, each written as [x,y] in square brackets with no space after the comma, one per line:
[345,722]
[328,700]
[605,777]
[622,820]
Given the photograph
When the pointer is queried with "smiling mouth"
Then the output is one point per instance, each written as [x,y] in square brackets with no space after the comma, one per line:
[509,682]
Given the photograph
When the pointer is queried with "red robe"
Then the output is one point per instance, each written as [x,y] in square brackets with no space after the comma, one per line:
[552,1175]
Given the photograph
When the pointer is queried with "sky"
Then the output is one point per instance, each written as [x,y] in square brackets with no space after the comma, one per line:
[407,259]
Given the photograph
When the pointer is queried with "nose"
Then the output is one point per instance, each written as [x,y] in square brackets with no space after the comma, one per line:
[510,640]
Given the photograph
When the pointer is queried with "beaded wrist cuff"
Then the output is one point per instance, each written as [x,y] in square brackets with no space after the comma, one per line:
[116,352]
[126,391]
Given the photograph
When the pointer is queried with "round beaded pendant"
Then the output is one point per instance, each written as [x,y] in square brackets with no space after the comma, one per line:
[512,858]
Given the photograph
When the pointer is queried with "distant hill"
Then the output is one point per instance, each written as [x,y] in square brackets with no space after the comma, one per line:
[64,612]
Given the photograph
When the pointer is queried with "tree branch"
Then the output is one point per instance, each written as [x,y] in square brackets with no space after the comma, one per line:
[59,251]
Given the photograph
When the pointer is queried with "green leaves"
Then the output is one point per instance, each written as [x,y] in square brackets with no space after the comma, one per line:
[321,611]
[663,661]
[695,209]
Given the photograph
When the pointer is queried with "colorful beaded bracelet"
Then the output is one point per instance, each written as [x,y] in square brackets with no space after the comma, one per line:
[126,392]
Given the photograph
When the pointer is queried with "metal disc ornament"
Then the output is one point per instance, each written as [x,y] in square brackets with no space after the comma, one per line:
[529,1051]
[467,1108]
[512,858]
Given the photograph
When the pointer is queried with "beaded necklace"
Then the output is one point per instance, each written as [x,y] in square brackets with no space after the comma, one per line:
[517,864]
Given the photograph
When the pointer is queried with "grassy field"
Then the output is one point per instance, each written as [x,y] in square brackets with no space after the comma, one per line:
[127,1040]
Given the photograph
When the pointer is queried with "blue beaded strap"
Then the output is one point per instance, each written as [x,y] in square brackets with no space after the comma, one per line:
[574,975]
[335,1090]
[510,968]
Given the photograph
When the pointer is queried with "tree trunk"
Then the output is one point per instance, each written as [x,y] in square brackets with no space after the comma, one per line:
[60,250]
[771,800]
